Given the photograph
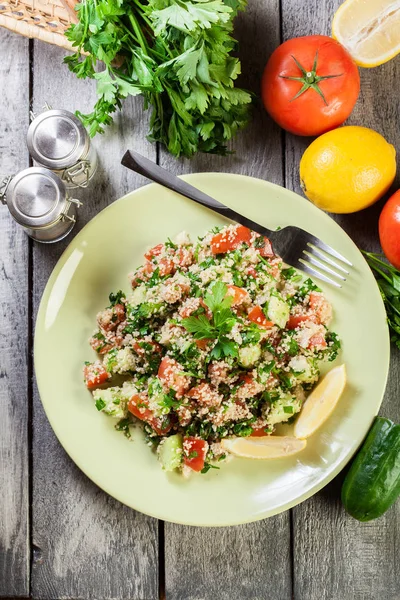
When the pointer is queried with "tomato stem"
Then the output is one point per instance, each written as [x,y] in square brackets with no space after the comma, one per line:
[309,79]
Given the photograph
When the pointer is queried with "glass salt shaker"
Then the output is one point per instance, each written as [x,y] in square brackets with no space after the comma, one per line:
[38,201]
[57,140]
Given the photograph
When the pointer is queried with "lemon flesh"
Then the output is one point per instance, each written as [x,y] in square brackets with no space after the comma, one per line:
[347,169]
[321,403]
[264,447]
[369,29]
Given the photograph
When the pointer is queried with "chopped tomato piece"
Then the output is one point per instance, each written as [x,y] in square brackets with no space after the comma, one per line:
[194,453]
[110,318]
[230,239]
[252,272]
[318,339]
[138,405]
[240,295]
[257,316]
[202,344]
[142,274]
[156,251]
[266,249]
[161,425]
[168,372]
[166,266]
[95,374]
[139,346]
[205,394]
[119,312]
[101,346]
[320,307]
[184,256]
[247,379]
[295,321]
[259,432]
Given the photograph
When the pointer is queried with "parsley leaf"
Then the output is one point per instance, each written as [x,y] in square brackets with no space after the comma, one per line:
[116,298]
[219,325]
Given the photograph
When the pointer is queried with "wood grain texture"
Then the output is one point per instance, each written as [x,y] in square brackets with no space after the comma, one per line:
[335,556]
[14,291]
[87,545]
[238,562]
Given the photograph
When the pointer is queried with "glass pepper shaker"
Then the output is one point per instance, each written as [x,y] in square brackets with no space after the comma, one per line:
[57,140]
[38,201]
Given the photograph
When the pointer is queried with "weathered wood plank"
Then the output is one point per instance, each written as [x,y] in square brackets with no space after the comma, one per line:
[88,545]
[238,562]
[336,557]
[14,296]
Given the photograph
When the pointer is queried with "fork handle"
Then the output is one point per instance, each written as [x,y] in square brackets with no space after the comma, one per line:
[142,165]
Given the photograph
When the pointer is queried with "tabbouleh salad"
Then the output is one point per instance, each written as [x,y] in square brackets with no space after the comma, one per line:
[217,338]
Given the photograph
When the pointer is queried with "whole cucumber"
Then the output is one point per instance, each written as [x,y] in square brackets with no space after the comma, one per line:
[373,482]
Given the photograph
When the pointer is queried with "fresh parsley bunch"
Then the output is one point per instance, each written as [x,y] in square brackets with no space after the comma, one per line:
[177,54]
[388,280]
[219,325]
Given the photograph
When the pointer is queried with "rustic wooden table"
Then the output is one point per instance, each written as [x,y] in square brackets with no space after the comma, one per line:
[62,537]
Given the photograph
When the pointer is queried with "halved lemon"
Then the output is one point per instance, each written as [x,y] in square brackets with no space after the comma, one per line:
[272,446]
[320,403]
[369,29]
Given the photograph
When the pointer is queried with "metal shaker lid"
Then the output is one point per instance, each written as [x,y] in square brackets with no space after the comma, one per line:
[57,139]
[36,197]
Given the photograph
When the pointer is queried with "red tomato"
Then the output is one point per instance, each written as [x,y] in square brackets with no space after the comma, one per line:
[202,344]
[194,453]
[310,85]
[318,339]
[143,273]
[138,406]
[297,320]
[229,240]
[240,295]
[95,374]
[156,251]
[259,432]
[100,346]
[389,229]
[142,351]
[166,266]
[266,250]
[252,272]
[184,256]
[256,315]
[168,372]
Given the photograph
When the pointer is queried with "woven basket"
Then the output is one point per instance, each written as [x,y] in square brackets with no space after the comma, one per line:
[45,20]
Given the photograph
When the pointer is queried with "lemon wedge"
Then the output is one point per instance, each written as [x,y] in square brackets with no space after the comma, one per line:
[369,29]
[320,403]
[271,446]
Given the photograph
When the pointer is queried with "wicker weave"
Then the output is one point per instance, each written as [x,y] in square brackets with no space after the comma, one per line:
[45,20]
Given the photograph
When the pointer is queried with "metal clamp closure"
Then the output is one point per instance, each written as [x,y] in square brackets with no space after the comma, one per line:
[82,167]
[4,187]
[64,215]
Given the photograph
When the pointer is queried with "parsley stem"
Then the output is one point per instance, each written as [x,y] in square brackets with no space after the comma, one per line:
[139,35]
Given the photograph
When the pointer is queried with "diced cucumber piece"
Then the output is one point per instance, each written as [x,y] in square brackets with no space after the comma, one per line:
[304,369]
[283,409]
[249,355]
[111,401]
[138,296]
[278,311]
[170,452]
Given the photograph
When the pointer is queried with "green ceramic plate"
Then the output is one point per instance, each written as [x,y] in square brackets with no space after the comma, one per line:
[98,260]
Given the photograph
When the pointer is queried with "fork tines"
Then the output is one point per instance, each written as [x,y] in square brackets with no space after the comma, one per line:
[321,265]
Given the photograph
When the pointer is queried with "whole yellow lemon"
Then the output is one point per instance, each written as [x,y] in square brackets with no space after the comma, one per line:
[347,169]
